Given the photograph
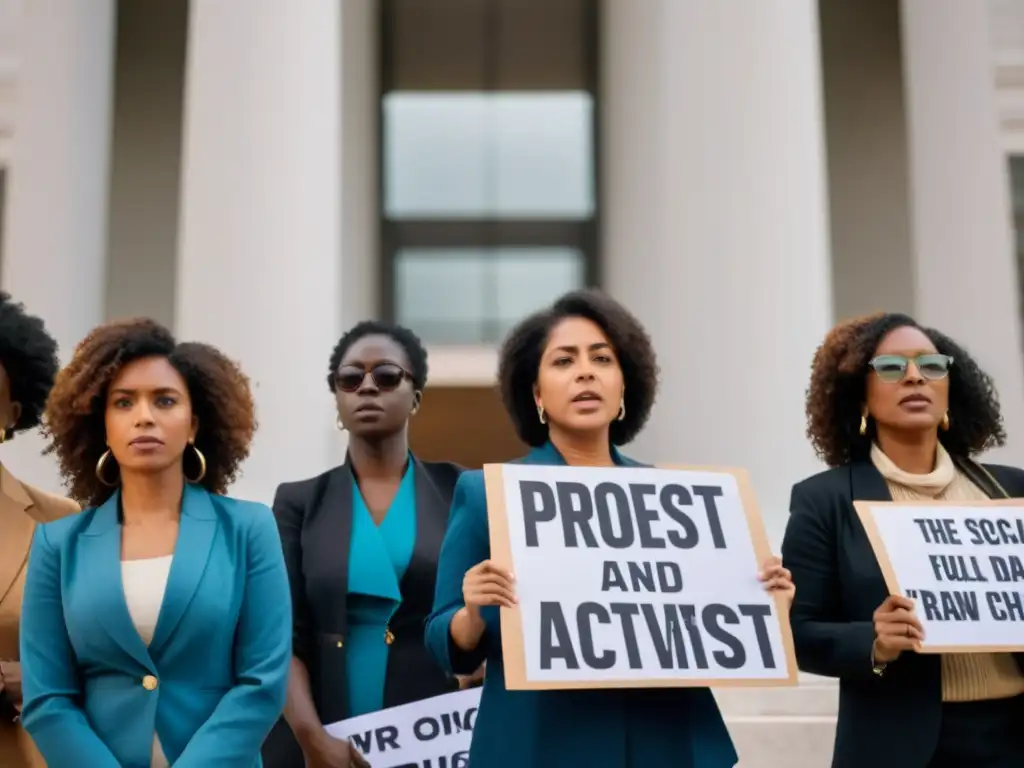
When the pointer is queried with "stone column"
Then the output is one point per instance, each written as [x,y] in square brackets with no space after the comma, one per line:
[54,254]
[716,235]
[966,276]
[716,229]
[259,260]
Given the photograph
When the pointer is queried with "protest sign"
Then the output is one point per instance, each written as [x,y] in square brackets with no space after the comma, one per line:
[963,564]
[433,733]
[635,577]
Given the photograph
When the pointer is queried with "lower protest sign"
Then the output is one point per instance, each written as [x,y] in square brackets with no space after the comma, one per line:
[962,564]
[433,733]
[635,577]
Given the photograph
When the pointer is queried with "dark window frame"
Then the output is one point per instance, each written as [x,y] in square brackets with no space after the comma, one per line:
[581,234]
[1015,174]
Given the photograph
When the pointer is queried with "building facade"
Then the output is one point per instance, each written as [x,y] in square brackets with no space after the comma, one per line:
[262,174]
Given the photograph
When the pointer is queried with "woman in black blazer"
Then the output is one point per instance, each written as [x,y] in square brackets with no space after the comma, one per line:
[361,544]
[897,411]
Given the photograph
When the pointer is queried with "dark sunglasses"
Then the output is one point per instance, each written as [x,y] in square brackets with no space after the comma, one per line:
[892,368]
[386,376]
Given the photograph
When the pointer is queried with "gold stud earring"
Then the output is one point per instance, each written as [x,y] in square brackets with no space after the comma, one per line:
[540,414]
[863,424]
[945,421]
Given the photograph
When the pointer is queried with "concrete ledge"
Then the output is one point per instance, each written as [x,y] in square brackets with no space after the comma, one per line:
[811,698]
[782,727]
[783,742]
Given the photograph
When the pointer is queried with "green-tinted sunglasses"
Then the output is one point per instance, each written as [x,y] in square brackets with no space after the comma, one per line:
[892,368]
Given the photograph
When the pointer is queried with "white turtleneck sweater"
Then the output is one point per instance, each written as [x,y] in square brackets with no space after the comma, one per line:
[965,676]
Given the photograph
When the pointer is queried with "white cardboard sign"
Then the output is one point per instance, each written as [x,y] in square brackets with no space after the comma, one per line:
[962,564]
[635,577]
[432,733]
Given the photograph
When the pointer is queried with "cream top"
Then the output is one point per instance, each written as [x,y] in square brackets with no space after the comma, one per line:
[145,582]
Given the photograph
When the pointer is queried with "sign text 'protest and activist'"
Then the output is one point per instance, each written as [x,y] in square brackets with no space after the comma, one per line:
[962,564]
[634,577]
[433,733]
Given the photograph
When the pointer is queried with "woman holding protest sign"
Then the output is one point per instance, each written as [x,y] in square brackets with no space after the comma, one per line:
[897,411]
[578,380]
[361,543]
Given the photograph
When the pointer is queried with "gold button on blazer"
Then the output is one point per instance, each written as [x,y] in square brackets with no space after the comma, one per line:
[22,507]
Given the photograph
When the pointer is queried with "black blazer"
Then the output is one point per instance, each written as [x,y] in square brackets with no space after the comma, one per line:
[314,518]
[889,721]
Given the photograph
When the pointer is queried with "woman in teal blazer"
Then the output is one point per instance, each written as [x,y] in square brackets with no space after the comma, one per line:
[156,624]
[577,379]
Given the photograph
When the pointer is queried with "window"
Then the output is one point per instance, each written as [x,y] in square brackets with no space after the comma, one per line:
[3,212]
[488,161]
[469,295]
[499,155]
[1017,195]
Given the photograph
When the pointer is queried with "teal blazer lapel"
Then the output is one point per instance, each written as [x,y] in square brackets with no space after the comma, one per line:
[547,454]
[196,532]
[101,557]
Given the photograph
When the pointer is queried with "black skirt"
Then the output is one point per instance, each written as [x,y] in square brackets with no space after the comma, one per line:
[981,734]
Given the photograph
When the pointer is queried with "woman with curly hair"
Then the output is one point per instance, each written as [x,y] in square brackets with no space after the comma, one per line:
[156,626]
[897,411]
[361,543]
[578,380]
[28,365]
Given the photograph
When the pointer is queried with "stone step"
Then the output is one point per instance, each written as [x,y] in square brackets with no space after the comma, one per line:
[810,698]
[783,742]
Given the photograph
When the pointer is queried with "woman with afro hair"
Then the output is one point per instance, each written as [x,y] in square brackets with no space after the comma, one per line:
[28,365]
[578,380]
[897,411]
[156,625]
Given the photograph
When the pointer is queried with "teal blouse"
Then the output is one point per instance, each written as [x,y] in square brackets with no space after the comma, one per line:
[378,557]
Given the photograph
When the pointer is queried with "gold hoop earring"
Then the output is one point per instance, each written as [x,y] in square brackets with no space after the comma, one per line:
[863,425]
[3,435]
[339,425]
[202,464]
[945,421]
[622,409]
[540,414]
[99,470]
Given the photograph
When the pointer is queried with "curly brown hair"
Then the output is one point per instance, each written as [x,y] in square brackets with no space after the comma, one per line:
[838,389]
[74,417]
[519,363]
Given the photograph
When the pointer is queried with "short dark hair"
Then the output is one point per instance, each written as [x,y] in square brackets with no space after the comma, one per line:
[522,350]
[74,420]
[401,335]
[28,354]
[838,389]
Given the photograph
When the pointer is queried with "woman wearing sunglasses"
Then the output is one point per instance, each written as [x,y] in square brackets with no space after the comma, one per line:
[361,544]
[897,411]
